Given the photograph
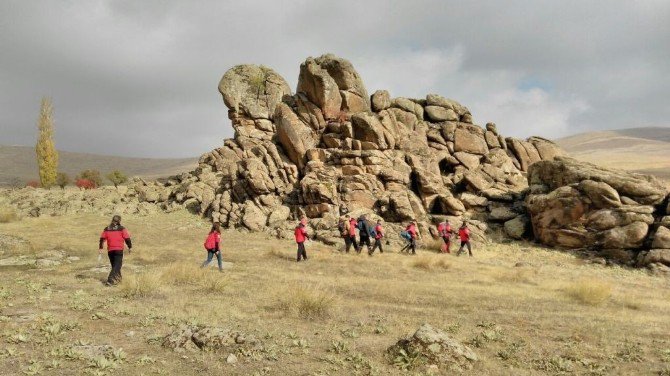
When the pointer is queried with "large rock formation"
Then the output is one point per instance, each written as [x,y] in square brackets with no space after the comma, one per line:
[331,148]
[574,204]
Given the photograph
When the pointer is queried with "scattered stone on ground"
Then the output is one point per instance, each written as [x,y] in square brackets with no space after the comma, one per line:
[435,348]
[188,337]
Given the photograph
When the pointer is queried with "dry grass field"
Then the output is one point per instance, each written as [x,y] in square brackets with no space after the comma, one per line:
[335,314]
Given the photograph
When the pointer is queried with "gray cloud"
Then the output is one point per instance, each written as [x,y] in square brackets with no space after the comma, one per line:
[139,77]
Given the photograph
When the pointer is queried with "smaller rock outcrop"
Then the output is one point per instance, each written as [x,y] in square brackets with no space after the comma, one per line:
[574,204]
[433,347]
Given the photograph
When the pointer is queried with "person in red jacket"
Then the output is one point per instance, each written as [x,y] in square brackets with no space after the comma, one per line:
[411,230]
[117,237]
[300,237]
[445,231]
[212,245]
[464,235]
[353,224]
[379,234]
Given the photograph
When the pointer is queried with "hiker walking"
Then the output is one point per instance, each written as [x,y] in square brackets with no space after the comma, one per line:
[117,237]
[351,238]
[212,246]
[343,229]
[300,237]
[412,236]
[464,235]
[364,234]
[445,231]
[378,235]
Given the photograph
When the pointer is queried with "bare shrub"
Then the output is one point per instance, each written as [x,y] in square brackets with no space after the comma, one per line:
[590,291]
[8,215]
[307,303]
[139,285]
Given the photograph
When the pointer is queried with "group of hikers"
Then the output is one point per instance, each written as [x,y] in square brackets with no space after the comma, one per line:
[117,238]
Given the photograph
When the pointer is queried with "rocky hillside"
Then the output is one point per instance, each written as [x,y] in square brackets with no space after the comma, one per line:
[645,150]
[18,165]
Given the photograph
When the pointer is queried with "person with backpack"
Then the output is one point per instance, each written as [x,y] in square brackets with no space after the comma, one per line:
[412,235]
[363,234]
[351,236]
[378,234]
[212,246]
[464,235]
[300,237]
[445,231]
[343,229]
[117,237]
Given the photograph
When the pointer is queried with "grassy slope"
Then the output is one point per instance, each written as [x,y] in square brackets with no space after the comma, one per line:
[534,325]
[645,150]
[18,163]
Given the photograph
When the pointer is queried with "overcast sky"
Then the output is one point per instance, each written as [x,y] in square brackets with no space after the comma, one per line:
[139,78]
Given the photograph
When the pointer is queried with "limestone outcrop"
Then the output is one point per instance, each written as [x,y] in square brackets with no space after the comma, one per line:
[574,204]
[331,148]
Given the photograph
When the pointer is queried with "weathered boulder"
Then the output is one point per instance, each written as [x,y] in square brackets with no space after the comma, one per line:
[435,347]
[320,88]
[601,194]
[381,100]
[661,238]
[367,127]
[652,256]
[517,227]
[470,139]
[253,90]
[207,338]
[585,206]
[437,113]
[562,171]
[293,134]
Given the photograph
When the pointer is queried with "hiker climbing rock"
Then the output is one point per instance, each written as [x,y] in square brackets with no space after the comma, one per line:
[364,234]
[300,237]
[411,237]
[212,244]
[464,235]
[445,231]
[117,237]
[378,234]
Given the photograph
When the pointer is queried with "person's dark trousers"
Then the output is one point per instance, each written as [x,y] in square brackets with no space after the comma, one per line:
[465,244]
[378,244]
[116,260]
[210,256]
[302,254]
[410,245]
[349,241]
[364,240]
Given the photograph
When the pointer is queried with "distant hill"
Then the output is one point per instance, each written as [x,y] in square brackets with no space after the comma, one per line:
[18,165]
[645,150]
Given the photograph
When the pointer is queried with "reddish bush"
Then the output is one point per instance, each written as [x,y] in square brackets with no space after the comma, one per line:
[86,184]
[33,183]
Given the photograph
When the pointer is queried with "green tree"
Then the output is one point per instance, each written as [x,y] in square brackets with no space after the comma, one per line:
[47,155]
[62,179]
[117,177]
[92,175]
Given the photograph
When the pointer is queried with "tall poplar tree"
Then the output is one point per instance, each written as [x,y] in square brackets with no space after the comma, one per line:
[47,156]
